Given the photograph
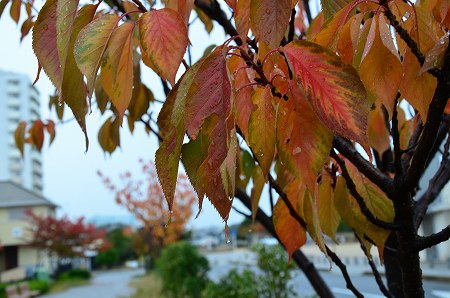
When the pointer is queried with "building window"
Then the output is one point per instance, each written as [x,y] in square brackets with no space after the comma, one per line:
[17,214]
[16,232]
[14,82]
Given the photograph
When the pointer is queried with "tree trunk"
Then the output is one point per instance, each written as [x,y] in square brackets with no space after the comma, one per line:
[392,267]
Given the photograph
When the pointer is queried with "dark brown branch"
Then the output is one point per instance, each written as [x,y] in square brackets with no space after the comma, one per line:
[375,272]
[396,139]
[434,239]
[241,212]
[291,33]
[344,147]
[271,199]
[140,5]
[344,271]
[359,199]
[308,11]
[436,184]
[428,137]
[299,258]
[214,12]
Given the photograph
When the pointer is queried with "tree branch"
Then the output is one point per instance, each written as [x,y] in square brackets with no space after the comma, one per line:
[428,137]
[375,272]
[396,139]
[359,199]
[436,184]
[434,239]
[344,147]
[344,271]
[308,11]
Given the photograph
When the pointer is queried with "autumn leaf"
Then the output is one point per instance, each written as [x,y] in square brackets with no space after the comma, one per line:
[261,128]
[381,77]
[109,136]
[379,136]
[3,4]
[50,127]
[303,142]
[117,68]
[19,136]
[242,18]
[288,229]
[331,7]
[73,88]
[27,25]
[329,217]
[37,134]
[44,42]
[172,128]
[333,88]
[15,10]
[258,185]
[163,37]
[269,21]
[91,44]
[65,19]
[183,7]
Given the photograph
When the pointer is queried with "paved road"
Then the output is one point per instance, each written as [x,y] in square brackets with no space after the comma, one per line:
[107,284]
[221,263]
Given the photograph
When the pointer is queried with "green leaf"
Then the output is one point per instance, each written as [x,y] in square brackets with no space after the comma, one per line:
[328,214]
[333,88]
[91,44]
[261,128]
[164,39]
[258,185]
[65,19]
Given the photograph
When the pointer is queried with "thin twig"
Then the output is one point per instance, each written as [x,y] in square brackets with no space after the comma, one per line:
[291,33]
[241,212]
[396,138]
[375,272]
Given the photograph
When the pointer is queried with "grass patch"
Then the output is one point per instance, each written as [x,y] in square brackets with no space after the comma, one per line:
[63,285]
[147,286]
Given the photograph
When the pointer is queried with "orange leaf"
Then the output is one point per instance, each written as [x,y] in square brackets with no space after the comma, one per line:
[91,44]
[109,136]
[26,27]
[183,7]
[303,142]
[334,89]
[328,215]
[50,127]
[258,184]
[3,4]
[37,134]
[44,42]
[163,37]
[261,128]
[242,18]
[19,136]
[15,10]
[381,77]
[242,95]
[269,21]
[379,136]
[288,229]
[117,69]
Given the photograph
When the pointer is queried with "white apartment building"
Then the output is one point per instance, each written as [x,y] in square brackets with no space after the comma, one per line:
[19,101]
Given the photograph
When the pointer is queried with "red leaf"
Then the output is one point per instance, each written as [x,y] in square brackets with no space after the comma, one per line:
[334,89]
[19,136]
[37,134]
[163,36]
[50,127]
[269,21]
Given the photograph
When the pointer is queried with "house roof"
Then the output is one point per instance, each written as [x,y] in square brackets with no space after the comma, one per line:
[13,195]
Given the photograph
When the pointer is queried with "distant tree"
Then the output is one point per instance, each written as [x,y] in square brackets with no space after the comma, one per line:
[145,199]
[120,249]
[63,237]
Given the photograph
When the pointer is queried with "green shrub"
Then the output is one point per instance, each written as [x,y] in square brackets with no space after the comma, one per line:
[233,285]
[39,285]
[108,259]
[75,274]
[270,282]
[183,271]
[3,290]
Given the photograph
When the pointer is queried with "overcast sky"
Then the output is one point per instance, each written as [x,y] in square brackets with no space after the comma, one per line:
[70,178]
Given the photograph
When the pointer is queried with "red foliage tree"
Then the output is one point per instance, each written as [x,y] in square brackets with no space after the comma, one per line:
[64,237]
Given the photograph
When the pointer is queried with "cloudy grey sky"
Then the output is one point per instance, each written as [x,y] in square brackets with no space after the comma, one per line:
[70,178]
